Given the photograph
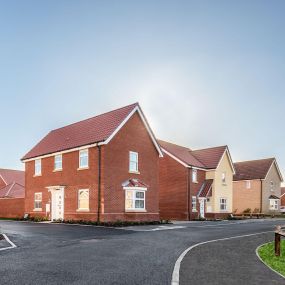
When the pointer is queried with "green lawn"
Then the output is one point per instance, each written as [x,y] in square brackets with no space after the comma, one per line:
[266,253]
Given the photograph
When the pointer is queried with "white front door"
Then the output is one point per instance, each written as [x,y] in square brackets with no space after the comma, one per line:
[57,204]
[202,208]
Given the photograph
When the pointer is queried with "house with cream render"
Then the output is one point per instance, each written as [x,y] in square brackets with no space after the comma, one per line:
[195,183]
[257,186]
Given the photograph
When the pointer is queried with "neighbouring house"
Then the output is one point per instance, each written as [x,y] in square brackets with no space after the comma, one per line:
[103,168]
[282,196]
[12,193]
[195,183]
[257,186]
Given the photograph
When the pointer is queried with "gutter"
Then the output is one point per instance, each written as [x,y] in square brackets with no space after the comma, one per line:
[99,183]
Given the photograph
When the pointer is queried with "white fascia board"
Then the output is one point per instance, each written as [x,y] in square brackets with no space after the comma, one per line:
[61,152]
[136,109]
[135,188]
[230,159]
[278,170]
[3,179]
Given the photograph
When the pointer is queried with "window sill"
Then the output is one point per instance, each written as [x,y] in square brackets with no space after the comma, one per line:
[83,168]
[37,175]
[57,170]
[136,210]
[194,211]
[82,210]
[196,182]
[134,172]
[38,210]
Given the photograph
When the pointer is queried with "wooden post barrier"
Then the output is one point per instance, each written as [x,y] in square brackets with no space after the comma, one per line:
[278,233]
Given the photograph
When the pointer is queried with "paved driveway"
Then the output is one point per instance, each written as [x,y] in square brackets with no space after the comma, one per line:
[65,254]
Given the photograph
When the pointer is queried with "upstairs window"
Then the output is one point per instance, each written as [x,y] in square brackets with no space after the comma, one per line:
[58,162]
[224,177]
[135,200]
[248,184]
[83,158]
[194,176]
[133,161]
[223,204]
[194,203]
[272,186]
[83,199]
[38,167]
[38,201]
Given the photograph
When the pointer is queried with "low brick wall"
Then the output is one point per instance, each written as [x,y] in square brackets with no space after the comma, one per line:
[12,207]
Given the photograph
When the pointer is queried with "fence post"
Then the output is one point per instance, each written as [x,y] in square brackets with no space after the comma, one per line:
[277,244]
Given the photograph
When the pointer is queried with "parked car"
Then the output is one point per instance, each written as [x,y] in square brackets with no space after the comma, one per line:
[282,209]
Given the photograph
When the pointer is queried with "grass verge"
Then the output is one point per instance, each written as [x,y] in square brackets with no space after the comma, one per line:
[266,253]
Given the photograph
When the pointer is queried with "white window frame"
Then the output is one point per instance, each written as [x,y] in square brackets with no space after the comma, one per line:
[224,178]
[38,167]
[134,191]
[83,153]
[194,175]
[78,200]
[224,203]
[273,204]
[38,201]
[133,161]
[272,186]
[58,160]
[194,203]
[248,184]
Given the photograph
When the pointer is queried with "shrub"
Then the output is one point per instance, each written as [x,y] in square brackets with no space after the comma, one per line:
[247,211]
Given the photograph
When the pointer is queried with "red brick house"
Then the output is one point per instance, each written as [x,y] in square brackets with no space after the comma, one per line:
[195,183]
[103,168]
[12,193]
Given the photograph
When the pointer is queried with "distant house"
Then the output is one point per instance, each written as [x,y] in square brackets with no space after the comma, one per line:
[195,183]
[103,168]
[257,186]
[12,193]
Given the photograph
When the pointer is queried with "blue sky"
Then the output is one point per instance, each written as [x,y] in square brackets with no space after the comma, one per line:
[206,73]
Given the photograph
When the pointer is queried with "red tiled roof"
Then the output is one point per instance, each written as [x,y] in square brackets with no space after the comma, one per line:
[13,190]
[15,183]
[134,182]
[9,176]
[182,153]
[206,189]
[93,130]
[208,158]
[254,169]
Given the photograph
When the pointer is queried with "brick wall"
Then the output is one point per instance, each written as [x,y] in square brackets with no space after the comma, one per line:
[70,176]
[132,137]
[12,207]
[115,170]
[244,198]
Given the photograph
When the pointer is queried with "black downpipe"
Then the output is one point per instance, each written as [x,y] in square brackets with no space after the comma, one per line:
[99,183]
[261,195]
[189,195]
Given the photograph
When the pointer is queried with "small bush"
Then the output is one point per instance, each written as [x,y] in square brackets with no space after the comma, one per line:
[247,211]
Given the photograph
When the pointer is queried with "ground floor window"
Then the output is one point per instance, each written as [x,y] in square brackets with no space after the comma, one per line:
[38,201]
[194,203]
[83,199]
[223,204]
[135,200]
[273,204]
